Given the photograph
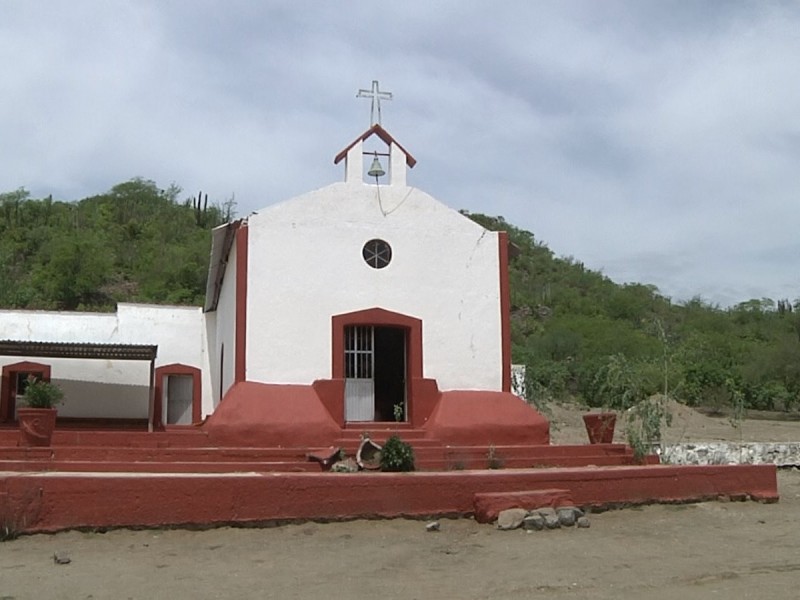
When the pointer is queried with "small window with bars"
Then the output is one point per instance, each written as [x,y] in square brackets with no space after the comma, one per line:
[358,352]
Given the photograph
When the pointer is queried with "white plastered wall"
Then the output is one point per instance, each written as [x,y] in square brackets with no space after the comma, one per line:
[112,388]
[222,333]
[305,265]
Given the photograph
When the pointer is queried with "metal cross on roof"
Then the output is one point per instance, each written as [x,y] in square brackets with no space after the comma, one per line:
[376,95]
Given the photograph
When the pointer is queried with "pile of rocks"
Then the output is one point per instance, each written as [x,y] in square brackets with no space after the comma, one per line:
[541,518]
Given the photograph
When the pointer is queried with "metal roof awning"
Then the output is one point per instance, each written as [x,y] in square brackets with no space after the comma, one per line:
[222,239]
[88,350]
[78,350]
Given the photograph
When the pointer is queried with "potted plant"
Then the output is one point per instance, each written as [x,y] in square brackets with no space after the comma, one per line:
[600,426]
[615,386]
[619,385]
[38,419]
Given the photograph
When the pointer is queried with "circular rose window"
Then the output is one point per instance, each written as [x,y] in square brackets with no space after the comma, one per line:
[377,253]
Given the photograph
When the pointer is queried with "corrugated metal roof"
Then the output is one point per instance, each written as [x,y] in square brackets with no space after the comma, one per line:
[78,350]
[221,241]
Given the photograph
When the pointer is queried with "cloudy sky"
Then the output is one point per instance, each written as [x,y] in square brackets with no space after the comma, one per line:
[657,141]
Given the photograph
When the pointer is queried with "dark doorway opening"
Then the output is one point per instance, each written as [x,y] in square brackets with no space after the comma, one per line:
[390,374]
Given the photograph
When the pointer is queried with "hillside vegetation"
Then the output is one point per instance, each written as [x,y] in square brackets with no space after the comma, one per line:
[580,334]
[135,243]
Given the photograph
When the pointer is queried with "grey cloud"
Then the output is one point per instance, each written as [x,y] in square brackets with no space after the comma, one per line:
[657,141]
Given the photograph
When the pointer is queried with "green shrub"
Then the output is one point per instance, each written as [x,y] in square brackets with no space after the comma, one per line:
[42,394]
[397,455]
[644,423]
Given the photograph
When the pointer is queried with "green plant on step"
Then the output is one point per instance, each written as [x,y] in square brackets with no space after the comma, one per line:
[8,531]
[397,455]
[399,412]
[493,461]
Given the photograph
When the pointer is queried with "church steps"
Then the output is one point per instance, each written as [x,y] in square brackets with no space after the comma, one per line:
[429,455]
[79,466]
[427,464]
[350,446]
[430,452]
[539,450]
[431,464]
[130,439]
[408,435]
[129,455]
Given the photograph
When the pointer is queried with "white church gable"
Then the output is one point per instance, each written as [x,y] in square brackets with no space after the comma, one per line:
[306,264]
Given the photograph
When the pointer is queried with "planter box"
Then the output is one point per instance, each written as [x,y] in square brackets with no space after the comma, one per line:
[36,426]
[600,427]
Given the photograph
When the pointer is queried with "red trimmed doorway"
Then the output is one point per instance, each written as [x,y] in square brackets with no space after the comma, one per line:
[375,373]
[14,380]
[178,395]
[378,354]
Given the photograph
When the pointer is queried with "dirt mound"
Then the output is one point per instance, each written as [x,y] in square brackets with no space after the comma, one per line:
[688,425]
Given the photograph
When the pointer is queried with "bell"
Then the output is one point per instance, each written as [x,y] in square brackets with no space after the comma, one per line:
[376,170]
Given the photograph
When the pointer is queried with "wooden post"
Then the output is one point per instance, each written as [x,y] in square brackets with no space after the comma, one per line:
[152,403]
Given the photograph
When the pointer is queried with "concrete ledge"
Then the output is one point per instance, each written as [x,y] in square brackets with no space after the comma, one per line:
[38,502]
[781,454]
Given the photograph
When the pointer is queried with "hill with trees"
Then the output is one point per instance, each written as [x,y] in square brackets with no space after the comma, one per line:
[580,334]
[135,243]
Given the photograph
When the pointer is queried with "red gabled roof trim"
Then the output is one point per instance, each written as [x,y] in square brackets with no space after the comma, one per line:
[381,133]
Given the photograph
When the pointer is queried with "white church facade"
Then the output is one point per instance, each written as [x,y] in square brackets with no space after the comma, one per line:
[365,301]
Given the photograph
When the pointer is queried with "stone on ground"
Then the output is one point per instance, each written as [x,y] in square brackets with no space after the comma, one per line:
[511,518]
[534,522]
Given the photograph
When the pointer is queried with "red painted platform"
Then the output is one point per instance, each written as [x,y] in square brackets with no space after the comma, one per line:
[116,478]
[37,502]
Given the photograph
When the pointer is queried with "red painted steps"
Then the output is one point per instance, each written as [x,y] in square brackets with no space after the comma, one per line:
[429,457]
[459,458]
[158,460]
[432,455]
[118,454]
[82,466]
[474,457]
[137,451]
[401,428]
[353,434]
[426,450]
[190,437]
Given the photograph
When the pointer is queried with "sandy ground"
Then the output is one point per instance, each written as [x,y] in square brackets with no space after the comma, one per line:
[694,551]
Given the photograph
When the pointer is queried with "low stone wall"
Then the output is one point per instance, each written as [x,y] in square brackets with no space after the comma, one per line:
[784,454]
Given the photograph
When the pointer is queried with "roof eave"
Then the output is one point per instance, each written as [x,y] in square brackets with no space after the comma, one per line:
[385,136]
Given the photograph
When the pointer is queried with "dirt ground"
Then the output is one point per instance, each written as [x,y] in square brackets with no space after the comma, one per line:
[695,551]
[688,425]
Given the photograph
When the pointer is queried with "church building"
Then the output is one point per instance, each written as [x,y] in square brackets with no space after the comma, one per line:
[363,303]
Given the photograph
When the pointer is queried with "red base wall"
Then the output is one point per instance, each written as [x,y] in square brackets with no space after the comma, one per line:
[271,415]
[54,501]
[483,418]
